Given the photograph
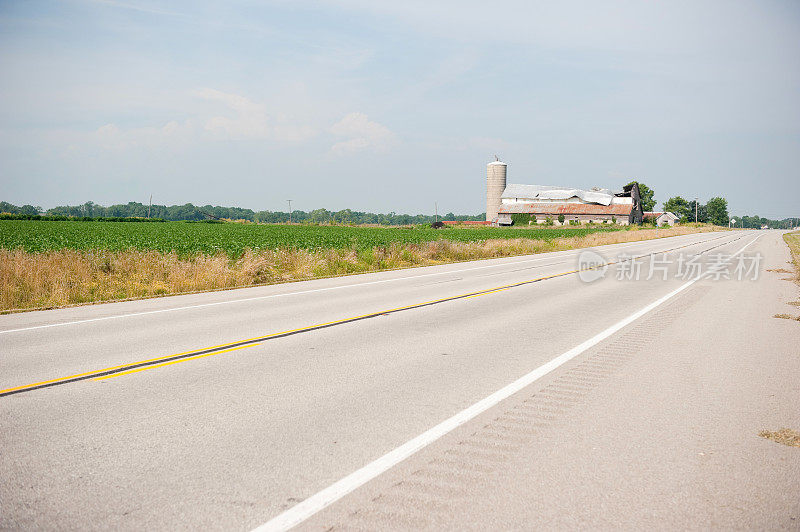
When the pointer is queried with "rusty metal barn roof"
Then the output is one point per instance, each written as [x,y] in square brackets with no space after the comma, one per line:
[566,209]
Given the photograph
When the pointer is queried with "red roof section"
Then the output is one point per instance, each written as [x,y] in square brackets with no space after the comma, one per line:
[566,209]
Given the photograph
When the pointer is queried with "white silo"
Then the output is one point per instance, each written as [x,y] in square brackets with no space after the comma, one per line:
[495,185]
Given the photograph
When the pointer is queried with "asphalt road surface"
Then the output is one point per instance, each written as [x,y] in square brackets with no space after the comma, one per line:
[503,394]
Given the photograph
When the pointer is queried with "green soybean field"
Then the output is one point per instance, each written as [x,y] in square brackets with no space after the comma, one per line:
[187,238]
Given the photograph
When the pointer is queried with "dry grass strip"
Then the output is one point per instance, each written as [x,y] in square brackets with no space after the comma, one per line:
[785,436]
[68,277]
[793,241]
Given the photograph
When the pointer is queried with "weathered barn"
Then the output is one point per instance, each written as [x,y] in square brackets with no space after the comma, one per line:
[543,203]
[575,212]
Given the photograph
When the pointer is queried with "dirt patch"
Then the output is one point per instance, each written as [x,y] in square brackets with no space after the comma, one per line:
[785,436]
[786,317]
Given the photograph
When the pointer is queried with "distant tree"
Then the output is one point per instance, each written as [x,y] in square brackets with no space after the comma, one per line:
[755,222]
[193,213]
[345,216]
[30,210]
[702,212]
[647,196]
[717,209]
[117,210]
[747,222]
[8,208]
[521,218]
[561,219]
[319,216]
[680,207]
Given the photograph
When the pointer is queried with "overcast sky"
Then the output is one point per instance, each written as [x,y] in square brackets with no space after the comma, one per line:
[391,105]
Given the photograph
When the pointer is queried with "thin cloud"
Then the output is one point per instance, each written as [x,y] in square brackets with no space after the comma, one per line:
[139,7]
[251,120]
[361,133]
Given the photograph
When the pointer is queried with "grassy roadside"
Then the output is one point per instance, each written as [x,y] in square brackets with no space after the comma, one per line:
[793,241]
[57,278]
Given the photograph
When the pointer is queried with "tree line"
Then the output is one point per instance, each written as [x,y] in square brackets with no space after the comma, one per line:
[190,212]
[715,211]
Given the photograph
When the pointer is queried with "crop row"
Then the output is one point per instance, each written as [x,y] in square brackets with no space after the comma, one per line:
[192,238]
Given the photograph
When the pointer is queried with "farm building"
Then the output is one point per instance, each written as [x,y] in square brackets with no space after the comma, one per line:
[662,218]
[540,203]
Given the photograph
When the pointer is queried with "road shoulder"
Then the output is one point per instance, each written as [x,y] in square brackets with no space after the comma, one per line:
[648,429]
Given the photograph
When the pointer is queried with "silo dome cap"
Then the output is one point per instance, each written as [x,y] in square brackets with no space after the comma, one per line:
[497,163]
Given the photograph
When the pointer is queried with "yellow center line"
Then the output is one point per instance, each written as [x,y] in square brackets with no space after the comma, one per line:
[135,370]
[105,369]
[256,339]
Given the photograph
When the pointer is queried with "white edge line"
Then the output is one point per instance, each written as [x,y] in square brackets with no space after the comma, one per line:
[302,511]
[270,296]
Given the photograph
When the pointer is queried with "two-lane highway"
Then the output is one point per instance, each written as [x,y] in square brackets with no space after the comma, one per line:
[164,327]
[224,410]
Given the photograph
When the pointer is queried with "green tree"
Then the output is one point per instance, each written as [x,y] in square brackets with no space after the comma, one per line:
[520,218]
[717,211]
[192,212]
[30,210]
[680,207]
[345,216]
[319,216]
[702,212]
[647,196]
[561,219]
[8,208]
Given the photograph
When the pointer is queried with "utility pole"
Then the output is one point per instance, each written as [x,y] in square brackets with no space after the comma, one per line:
[436,211]
[290,210]
[695,210]
[150,206]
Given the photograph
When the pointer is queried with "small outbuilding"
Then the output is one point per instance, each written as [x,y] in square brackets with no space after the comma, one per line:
[662,218]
